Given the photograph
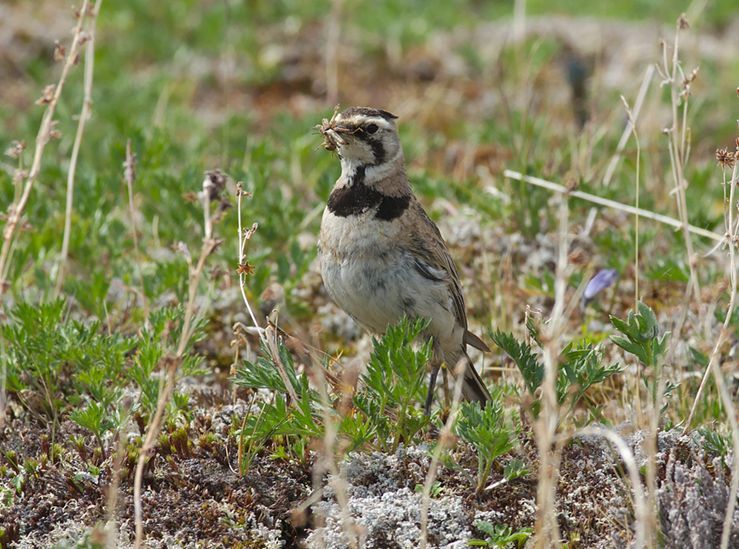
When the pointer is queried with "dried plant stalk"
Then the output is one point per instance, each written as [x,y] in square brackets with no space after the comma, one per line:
[630,125]
[678,143]
[333,36]
[16,209]
[732,239]
[672,222]
[173,362]
[546,527]
[330,456]
[85,113]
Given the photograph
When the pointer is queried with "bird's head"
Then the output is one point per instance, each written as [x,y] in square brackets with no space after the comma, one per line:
[362,137]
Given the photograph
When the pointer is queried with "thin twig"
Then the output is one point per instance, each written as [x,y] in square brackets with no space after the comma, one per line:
[672,222]
[16,209]
[85,113]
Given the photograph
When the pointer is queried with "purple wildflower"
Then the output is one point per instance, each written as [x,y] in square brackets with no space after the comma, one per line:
[602,280]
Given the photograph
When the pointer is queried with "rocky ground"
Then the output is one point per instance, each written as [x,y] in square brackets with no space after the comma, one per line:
[193,492]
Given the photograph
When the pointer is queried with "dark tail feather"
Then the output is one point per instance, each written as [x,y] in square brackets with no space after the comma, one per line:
[474,388]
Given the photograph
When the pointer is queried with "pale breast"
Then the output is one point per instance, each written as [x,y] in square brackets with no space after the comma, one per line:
[370,274]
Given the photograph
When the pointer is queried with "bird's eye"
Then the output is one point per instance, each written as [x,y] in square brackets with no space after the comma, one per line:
[371,128]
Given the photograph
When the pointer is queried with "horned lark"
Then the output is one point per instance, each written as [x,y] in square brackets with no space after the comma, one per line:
[381,256]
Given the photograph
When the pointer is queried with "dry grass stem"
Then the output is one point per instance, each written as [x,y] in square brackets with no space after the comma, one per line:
[672,222]
[172,362]
[546,528]
[678,140]
[244,236]
[732,238]
[129,176]
[331,455]
[271,339]
[50,99]
[111,533]
[85,113]
[630,125]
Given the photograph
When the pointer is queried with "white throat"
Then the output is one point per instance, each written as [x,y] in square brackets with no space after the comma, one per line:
[372,174]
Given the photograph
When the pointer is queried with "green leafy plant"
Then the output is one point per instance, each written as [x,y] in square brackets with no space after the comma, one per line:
[640,335]
[64,362]
[155,342]
[97,419]
[715,443]
[500,535]
[287,425]
[514,469]
[488,431]
[580,367]
[57,367]
[386,410]
[394,385]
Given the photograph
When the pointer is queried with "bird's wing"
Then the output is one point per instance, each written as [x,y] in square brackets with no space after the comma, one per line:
[431,257]
[432,260]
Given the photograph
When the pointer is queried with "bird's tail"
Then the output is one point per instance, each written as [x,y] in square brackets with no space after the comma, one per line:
[474,388]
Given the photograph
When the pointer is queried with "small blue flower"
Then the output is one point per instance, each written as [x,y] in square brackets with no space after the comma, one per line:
[602,280]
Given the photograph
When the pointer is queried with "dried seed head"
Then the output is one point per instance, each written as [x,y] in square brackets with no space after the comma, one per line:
[682,22]
[725,158]
[16,149]
[690,78]
[245,268]
[47,95]
[328,129]
[248,233]
[60,51]
[54,133]
[241,192]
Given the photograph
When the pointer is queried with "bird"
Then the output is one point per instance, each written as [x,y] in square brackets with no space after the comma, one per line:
[381,257]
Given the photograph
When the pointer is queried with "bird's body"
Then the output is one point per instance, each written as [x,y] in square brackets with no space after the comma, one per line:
[381,256]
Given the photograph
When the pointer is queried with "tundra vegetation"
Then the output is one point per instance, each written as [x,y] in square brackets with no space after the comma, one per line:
[172,372]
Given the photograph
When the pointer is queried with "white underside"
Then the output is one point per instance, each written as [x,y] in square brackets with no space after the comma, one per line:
[375,281]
